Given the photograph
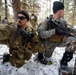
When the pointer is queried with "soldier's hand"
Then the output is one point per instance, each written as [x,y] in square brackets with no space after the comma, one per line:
[59,31]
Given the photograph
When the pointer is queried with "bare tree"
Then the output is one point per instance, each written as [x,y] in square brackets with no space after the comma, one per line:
[0,9]
[16,7]
[6,8]
[74,6]
[62,1]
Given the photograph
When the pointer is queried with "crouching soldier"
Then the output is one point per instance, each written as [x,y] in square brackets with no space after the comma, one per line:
[52,35]
[68,55]
[18,37]
[54,32]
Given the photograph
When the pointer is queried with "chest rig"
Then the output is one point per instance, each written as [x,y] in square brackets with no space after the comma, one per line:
[55,38]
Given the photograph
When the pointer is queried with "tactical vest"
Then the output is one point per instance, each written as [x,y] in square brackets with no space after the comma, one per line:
[54,38]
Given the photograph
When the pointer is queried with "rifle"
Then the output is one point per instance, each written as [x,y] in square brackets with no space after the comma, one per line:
[62,28]
[26,36]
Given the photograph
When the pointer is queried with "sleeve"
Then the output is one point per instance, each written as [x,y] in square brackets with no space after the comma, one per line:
[4,33]
[43,32]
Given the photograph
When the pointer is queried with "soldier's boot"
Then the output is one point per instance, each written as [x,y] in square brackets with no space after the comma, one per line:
[66,58]
[6,57]
[43,60]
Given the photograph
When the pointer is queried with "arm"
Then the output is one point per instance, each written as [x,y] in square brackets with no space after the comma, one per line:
[4,34]
[44,33]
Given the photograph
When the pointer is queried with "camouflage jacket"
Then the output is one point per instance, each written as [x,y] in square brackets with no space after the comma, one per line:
[46,31]
[48,35]
[18,52]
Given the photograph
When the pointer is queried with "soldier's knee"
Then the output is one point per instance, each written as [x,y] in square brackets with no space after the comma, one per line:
[6,57]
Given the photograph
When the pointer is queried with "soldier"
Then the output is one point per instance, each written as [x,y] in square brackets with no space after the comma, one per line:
[33,21]
[69,50]
[19,38]
[53,31]
[5,21]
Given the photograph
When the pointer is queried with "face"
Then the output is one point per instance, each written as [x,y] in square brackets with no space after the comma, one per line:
[21,20]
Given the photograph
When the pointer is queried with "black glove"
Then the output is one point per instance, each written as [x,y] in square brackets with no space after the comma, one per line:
[60,31]
[26,36]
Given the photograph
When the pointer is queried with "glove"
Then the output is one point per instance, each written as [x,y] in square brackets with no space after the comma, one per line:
[27,38]
[59,31]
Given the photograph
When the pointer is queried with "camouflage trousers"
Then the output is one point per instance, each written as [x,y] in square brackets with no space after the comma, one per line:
[50,46]
[17,58]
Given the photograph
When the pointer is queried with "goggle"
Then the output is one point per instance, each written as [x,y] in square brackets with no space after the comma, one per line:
[21,17]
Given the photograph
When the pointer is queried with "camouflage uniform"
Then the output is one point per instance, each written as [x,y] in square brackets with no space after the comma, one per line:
[33,21]
[48,33]
[18,52]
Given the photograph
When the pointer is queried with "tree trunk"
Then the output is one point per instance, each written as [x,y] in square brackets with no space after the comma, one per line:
[73,20]
[62,1]
[0,18]
[0,9]
[24,5]
[5,8]
[16,7]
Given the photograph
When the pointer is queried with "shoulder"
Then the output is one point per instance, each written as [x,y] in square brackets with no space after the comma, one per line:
[43,24]
[3,27]
[29,27]
[12,25]
[8,27]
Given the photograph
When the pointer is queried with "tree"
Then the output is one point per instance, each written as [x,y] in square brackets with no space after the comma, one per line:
[6,9]
[70,11]
[16,7]
[0,9]
[24,5]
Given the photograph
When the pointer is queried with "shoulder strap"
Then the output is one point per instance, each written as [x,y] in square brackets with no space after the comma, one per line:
[50,24]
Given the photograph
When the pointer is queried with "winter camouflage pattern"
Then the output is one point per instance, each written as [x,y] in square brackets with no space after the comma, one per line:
[18,52]
[46,34]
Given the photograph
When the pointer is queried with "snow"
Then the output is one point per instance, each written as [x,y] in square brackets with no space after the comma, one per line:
[34,67]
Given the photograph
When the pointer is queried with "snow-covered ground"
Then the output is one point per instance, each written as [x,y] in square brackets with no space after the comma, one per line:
[34,67]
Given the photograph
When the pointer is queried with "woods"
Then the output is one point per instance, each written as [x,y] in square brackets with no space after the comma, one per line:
[38,7]
[21,39]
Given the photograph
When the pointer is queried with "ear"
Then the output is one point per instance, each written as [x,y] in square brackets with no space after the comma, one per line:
[27,21]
